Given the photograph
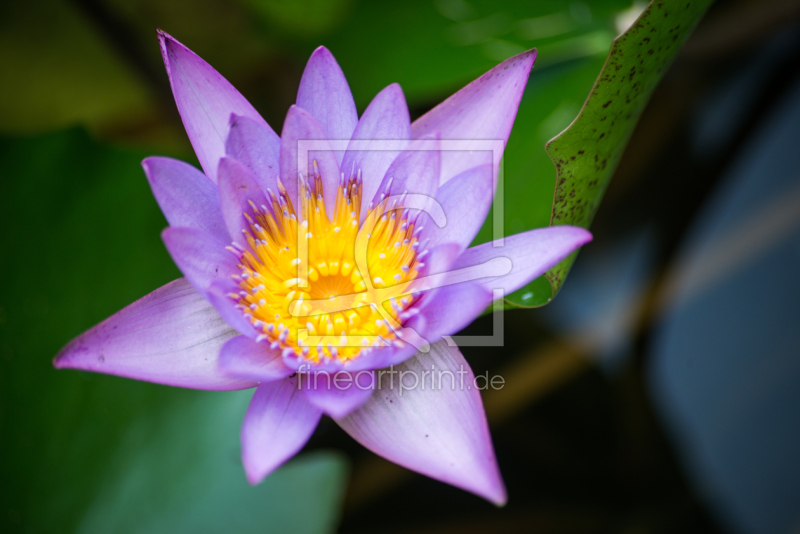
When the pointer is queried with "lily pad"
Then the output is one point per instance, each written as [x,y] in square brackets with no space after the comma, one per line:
[95,453]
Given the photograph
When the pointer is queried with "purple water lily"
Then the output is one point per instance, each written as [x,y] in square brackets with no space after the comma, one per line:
[292,273]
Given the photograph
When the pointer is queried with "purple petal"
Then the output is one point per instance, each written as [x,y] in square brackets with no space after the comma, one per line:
[325,94]
[218,293]
[200,256]
[531,253]
[185,196]
[434,275]
[451,309]
[300,364]
[414,171]
[242,357]
[205,101]
[386,118]
[278,423]
[172,336]
[380,358]
[338,394]
[465,200]
[439,261]
[237,188]
[258,147]
[301,126]
[484,109]
[439,431]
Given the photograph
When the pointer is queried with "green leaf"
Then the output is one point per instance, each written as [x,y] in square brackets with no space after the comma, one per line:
[196,441]
[586,154]
[96,453]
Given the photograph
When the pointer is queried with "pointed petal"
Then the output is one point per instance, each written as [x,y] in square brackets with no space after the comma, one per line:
[338,394]
[484,109]
[434,275]
[185,196]
[436,265]
[200,257]
[301,126]
[414,171]
[258,147]
[205,101]
[439,431]
[325,94]
[171,336]
[452,309]
[386,117]
[243,358]
[218,293]
[465,200]
[278,423]
[237,188]
[531,253]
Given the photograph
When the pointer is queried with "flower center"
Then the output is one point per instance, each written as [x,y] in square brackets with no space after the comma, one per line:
[303,284]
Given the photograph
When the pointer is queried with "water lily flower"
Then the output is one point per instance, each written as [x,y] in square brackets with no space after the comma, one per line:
[291,273]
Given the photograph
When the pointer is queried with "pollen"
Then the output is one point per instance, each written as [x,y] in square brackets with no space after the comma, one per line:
[308,282]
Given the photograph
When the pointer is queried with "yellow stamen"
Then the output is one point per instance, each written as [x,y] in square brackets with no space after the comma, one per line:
[290,310]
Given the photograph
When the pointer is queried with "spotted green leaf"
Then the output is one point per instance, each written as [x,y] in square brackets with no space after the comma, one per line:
[587,152]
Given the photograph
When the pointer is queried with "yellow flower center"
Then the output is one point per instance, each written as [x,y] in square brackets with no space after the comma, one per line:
[299,271]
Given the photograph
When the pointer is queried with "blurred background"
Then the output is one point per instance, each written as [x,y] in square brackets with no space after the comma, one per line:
[658,393]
